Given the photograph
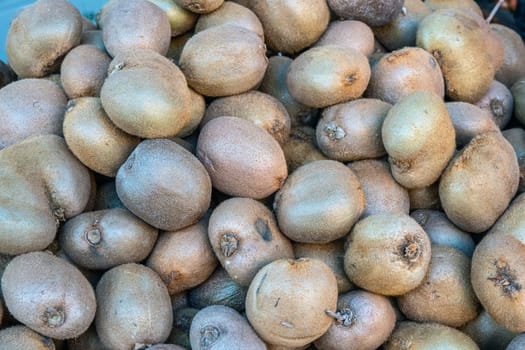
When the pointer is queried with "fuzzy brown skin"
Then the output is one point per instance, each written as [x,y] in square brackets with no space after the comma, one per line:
[291,25]
[382,193]
[218,289]
[468,5]
[516,137]
[53,298]
[387,247]
[42,184]
[287,300]
[30,107]
[469,121]
[94,139]
[89,340]
[21,337]
[200,6]
[374,13]
[83,71]
[242,159]
[263,109]
[479,182]
[181,20]
[319,202]
[224,60]
[352,130]
[164,185]
[326,75]
[197,110]
[301,148]
[36,41]
[404,71]
[354,34]
[513,67]
[487,333]
[498,101]
[518,92]
[134,307]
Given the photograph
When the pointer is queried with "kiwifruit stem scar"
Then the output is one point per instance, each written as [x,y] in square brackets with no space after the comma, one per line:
[344,316]
[60,215]
[505,278]
[496,106]
[54,317]
[350,78]
[209,335]
[410,251]
[93,236]
[334,131]
[229,244]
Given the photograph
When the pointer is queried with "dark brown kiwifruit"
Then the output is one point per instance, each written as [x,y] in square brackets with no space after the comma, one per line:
[498,101]
[197,110]
[487,333]
[469,121]
[374,13]
[200,6]
[89,340]
[354,34]
[181,20]
[513,67]
[21,337]
[301,147]
[516,137]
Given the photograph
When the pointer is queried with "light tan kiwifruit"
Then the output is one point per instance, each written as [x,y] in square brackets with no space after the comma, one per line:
[419,138]
[231,13]
[40,35]
[513,67]
[164,185]
[30,107]
[49,295]
[326,75]
[382,193]
[479,182]
[487,333]
[93,37]
[319,202]
[290,26]
[301,147]
[516,137]
[219,327]
[197,109]
[22,337]
[352,130]
[402,72]
[498,101]
[469,121]
[518,93]
[428,336]
[354,34]
[262,109]
[94,139]
[224,60]
[517,343]
[242,159]
[183,258]
[287,301]
[362,321]
[89,340]
[245,237]
[200,6]
[374,13]
[383,248]
[467,5]
[181,20]
[133,307]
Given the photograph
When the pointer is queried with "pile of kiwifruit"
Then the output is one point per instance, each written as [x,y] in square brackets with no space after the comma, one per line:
[262,174]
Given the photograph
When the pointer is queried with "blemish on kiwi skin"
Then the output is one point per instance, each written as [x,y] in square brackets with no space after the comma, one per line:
[344,316]
[350,78]
[229,243]
[402,165]
[506,279]
[496,106]
[287,324]
[118,67]
[209,335]
[60,215]
[334,131]
[409,250]
[262,228]
[70,105]
[261,283]
[48,343]
[195,6]
[53,317]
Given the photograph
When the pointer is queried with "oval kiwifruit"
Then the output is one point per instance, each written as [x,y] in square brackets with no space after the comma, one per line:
[387,247]
[487,333]
[498,101]
[469,121]
[133,307]
[89,340]
[287,301]
[49,295]
[513,67]
[319,202]
[21,337]
[200,6]
[354,34]
[301,147]
[516,137]
[374,13]
[181,20]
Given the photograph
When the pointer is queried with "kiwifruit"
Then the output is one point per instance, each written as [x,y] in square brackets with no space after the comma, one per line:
[517,343]
[382,193]
[319,202]
[516,137]
[244,235]
[197,109]
[419,138]
[287,301]
[219,327]
[469,121]
[487,333]
[513,67]
[6,74]
[133,308]
[354,34]
[181,20]
[301,147]
[93,37]
[36,40]
[30,107]
[363,321]
[242,159]
[518,92]
[183,258]
[218,289]
[164,185]
[89,340]
[326,75]
[182,319]
[264,110]
[468,5]
[404,71]
[352,130]
[21,337]
[291,25]
[401,30]
[498,101]
[386,247]
[200,6]
[374,13]
[479,182]
[94,139]
[224,60]
[49,295]
[428,336]
[107,197]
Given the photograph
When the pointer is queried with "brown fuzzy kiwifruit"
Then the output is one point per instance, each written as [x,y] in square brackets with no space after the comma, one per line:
[419,138]
[197,110]
[264,110]
[498,101]
[374,13]
[200,6]
[164,185]
[181,20]
[89,340]
[94,139]
[291,25]
[224,60]
[37,41]
[387,247]
[244,235]
[469,121]
[287,301]
[242,159]
[513,67]
[21,337]
[352,130]
[354,34]
[326,75]
[319,202]
[479,182]
[516,137]
[487,333]
[30,107]
[301,147]
[518,92]
[401,72]
[362,321]
[49,295]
